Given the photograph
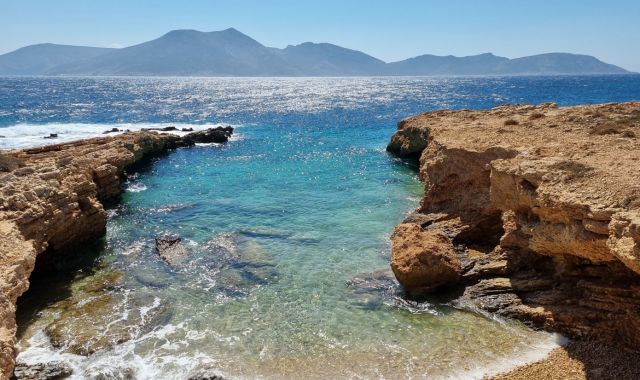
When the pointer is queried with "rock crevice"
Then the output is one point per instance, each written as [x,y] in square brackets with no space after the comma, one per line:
[538,206]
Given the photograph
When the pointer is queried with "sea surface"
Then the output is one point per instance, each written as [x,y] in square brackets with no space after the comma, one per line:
[287,230]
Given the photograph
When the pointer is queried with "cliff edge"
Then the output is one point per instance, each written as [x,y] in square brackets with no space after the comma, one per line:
[52,204]
[529,212]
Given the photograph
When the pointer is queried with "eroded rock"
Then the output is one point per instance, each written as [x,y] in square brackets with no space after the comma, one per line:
[51,201]
[423,260]
[541,211]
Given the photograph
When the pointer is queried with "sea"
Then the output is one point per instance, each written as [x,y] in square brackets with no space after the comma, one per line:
[286,229]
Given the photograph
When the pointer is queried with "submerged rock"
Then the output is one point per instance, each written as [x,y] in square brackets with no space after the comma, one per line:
[374,290]
[241,263]
[42,371]
[206,375]
[105,320]
[170,249]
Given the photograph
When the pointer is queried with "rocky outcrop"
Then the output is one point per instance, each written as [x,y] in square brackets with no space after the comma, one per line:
[170,249]
[52,203]
[534,212]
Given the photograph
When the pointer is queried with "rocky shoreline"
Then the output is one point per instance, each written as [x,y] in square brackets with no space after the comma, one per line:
[530,213]
[52,205]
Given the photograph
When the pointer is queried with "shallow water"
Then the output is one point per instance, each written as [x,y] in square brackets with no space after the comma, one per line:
[282,227]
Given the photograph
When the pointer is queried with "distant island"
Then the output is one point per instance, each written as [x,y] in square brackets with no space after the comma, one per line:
[232,53]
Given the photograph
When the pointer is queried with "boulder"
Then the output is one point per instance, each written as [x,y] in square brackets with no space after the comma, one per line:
[211,135]
[423,260]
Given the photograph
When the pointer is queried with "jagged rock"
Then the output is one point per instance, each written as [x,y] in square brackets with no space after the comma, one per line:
[211,135]
[543,213]
[112,130]
[423,260]
[163,129]
[170,249]
[51,200]
[42,371]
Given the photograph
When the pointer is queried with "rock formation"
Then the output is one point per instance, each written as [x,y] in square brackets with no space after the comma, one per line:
[529,212]
[51,204]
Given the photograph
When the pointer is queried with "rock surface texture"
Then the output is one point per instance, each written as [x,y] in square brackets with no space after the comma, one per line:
[529,212]
[51,203]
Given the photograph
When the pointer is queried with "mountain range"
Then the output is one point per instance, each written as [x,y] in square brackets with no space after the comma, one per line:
[232,53]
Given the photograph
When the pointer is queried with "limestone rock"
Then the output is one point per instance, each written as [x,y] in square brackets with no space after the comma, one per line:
[541,204]
[51,201]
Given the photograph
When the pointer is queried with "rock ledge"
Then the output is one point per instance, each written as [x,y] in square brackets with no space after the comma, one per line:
[51,204]
[533,210]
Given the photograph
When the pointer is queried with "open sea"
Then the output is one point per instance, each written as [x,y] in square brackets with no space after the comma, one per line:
[287,230]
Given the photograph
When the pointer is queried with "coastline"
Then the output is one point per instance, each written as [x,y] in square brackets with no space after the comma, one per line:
[52,205]
[538,226]
[578,360]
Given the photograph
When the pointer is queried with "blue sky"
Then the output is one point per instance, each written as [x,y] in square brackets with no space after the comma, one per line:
[389,30]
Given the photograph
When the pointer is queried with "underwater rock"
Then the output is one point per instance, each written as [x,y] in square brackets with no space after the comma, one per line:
[372,290]
[100,282]
[42,371]
[241,263]
[170,249]
[111,373]
[207,375]
[105,320]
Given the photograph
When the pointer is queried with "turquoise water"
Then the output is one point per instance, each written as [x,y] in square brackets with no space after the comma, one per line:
[283,226]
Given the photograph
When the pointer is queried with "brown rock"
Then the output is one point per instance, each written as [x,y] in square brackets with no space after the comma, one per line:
[51,201]
[423,260]
[545,220]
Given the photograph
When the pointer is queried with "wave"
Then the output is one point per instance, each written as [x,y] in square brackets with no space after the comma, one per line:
[21,136]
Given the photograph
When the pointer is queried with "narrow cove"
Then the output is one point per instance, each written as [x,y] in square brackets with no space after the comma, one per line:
[286,273]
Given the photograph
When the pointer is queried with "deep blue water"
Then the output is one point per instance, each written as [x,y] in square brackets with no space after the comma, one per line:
[278,223]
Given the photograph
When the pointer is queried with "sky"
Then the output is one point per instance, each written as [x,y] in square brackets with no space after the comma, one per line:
[389,30]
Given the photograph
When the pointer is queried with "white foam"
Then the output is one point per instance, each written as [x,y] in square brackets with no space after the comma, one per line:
[136,187]
[535,352]
[20,136]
